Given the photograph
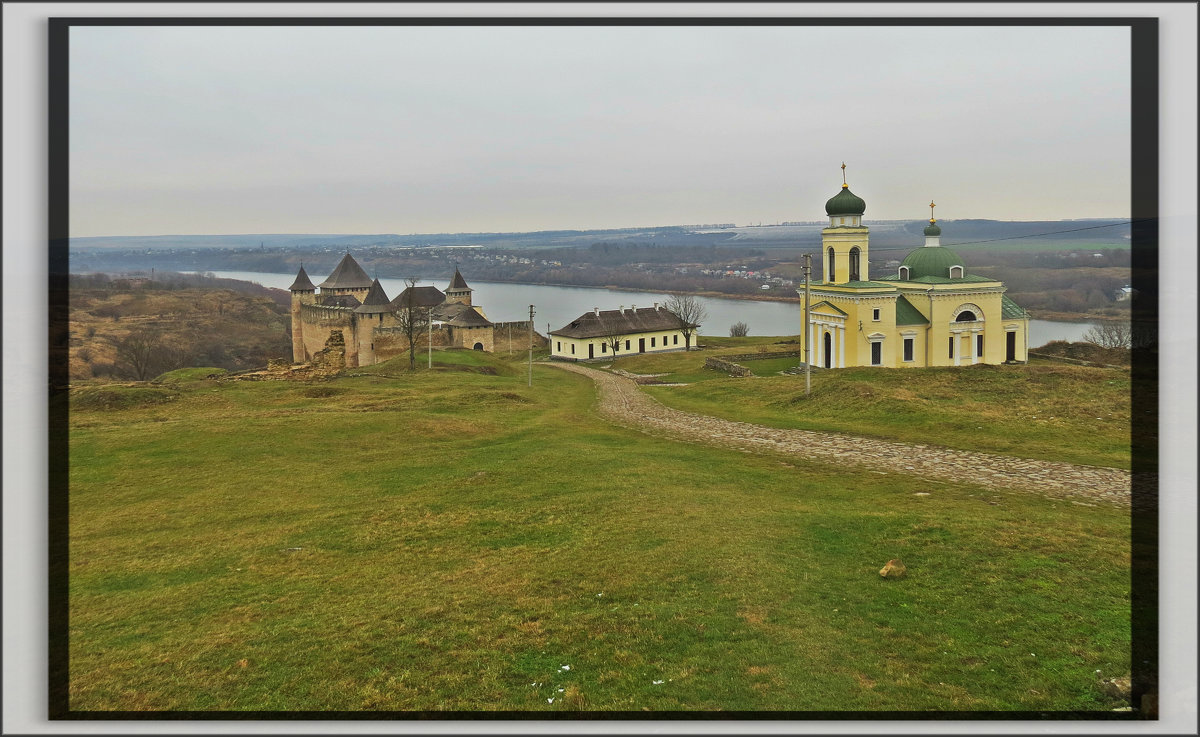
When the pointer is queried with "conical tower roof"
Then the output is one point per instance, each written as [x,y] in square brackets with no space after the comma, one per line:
[347,275]
[302,283]
[376,300]
[457,282]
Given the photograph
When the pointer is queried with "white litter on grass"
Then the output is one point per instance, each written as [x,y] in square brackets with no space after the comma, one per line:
[560,690]
[549,701]
[565,667]
[657,682]
[600,594]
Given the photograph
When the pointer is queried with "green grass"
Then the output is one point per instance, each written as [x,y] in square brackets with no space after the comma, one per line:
[447,539]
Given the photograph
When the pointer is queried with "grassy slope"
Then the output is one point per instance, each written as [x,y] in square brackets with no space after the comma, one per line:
[1041,410]
[461,537]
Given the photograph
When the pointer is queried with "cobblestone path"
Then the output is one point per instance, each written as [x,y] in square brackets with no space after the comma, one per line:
[624,404]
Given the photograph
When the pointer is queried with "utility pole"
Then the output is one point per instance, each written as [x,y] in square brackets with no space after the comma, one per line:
[429,340]
[804,334]
[531,345]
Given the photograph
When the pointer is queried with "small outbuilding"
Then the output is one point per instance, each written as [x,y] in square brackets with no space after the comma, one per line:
[607,334]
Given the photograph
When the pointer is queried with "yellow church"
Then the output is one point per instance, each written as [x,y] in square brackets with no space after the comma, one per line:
[931,312]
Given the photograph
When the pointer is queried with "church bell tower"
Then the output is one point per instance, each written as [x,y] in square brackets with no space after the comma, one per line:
[844,242]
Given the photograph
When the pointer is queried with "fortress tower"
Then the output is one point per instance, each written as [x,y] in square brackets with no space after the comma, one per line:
[303,293]
[458,291]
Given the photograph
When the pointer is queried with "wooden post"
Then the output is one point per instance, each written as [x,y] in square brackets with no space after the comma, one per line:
[530,345]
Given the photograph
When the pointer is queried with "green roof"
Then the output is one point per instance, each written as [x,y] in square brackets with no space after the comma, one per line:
[933,229]
[906,314]
[845,203]
[932,261]
[828,304]
[1010,309]
[854,284]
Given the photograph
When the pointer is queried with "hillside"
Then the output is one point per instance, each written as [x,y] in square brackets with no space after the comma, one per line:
[119,329]
[456,540]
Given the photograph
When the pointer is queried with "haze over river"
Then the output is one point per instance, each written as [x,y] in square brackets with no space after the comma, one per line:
[503,302]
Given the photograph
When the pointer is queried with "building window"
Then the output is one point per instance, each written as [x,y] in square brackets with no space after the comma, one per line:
[652,342]
[604,347]
[875,314]
[908,349]
[843,221]
[956,272]
[627,345]
[876,353]
[831,272]
[674,340]
[572,349]
[854,253]
[979,346]
[559,346]
[904,273]
[952,346]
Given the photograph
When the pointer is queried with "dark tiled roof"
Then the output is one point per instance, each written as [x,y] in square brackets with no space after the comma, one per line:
[375,302]
[447,311]
[457,281]
[468,318]
[906,314]
[347,275]
[302,283]
[422,298]
[620,322]
[339,300]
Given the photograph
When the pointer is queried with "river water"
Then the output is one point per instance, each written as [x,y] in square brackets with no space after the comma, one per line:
[557,306]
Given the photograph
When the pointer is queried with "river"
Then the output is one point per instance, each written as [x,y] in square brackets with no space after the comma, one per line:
[557,306]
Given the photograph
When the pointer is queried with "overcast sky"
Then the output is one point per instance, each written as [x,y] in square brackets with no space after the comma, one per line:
[199,130]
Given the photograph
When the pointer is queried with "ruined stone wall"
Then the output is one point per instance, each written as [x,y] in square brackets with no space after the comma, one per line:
[318,324]
[728,367]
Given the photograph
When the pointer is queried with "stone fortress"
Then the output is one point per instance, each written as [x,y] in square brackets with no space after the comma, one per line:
[349,320]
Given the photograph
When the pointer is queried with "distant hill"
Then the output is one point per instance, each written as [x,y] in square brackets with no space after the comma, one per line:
[883,233]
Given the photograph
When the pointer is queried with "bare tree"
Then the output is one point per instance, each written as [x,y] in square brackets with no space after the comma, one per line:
[1110,335]
[690,312]
[614,344]
[412,319]
[142,353]
[739,330]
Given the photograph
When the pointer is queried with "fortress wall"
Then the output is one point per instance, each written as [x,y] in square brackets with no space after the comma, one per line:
[391,341]
[519,341]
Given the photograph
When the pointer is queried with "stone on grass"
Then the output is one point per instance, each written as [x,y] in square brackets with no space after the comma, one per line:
[893,569]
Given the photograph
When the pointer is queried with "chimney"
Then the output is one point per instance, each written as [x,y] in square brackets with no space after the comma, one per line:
[597,311]
[633,308]
[622,309]
[656,305]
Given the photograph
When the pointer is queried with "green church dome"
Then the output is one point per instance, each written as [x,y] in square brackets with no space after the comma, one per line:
[932,229]
[845,203]
[932,261]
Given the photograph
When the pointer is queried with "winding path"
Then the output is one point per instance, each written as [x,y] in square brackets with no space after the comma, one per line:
[624,404]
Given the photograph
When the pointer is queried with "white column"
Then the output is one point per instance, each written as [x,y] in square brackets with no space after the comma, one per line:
[957,335]
[971,340]
[841,333]
[812,346]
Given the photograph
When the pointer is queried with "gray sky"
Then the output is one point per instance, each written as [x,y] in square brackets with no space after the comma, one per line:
[410,130]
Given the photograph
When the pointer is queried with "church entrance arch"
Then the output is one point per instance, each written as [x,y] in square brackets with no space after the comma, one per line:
[828,350]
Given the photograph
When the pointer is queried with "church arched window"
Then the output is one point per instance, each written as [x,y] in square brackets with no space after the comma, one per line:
[904,272]
[966,316]
[854,254]
[956,272]
[832,267]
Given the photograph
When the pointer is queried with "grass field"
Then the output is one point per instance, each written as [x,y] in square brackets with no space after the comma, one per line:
[455,540]
[1042,410]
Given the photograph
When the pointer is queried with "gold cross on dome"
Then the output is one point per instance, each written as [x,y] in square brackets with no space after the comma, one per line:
[843,173]
[931,206]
